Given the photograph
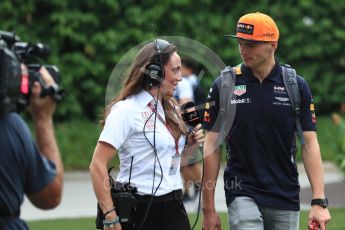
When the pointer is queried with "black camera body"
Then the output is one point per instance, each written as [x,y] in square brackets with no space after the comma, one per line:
[124,203]
[16,81]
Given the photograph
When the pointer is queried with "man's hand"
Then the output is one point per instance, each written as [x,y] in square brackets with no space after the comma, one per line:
[42,108]
[319,214]
[211,220]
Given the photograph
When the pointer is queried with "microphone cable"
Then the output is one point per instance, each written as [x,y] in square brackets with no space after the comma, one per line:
[156,158]
[201,182]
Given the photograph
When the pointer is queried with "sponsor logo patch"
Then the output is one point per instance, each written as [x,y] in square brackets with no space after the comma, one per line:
[241,101]
[240,90]
[245,28]
[283,99]
[146,114]
[149,125]
[313,117]
[207,105]
[209,93]
[268,34]
[279,90]
[282,103]
[312,110]
[207,117]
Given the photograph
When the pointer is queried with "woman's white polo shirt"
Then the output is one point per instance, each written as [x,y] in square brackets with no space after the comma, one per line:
[124,129]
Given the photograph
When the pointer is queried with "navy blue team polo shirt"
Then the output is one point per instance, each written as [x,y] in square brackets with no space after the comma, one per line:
[261,145]
[23,170]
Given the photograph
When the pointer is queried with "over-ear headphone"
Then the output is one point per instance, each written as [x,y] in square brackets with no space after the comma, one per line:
[154,71]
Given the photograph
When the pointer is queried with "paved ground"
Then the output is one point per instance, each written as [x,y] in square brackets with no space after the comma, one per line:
[79,200]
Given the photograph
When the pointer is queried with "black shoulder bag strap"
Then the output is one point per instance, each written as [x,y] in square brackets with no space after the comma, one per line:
[290,82]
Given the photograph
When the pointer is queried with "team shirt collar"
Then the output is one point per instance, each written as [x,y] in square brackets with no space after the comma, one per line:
[273,76]
[144,98]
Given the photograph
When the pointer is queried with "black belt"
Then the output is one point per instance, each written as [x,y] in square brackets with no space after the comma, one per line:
[174,195]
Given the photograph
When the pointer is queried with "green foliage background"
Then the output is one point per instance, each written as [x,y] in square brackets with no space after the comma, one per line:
[88,38]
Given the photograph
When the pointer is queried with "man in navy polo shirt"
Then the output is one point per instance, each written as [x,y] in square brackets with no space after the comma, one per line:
[261,178]
[27,167]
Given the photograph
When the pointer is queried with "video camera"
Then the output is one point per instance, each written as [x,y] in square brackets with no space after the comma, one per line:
[16,81]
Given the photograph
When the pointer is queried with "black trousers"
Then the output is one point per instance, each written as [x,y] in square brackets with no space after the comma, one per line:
[162,215]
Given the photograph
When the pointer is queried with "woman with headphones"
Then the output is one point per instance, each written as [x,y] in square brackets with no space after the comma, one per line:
[143,125]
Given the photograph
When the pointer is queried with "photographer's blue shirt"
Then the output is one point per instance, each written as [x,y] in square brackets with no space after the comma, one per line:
[261,145]
[22,169]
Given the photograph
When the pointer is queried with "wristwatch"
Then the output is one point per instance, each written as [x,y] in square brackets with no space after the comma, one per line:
[323,202]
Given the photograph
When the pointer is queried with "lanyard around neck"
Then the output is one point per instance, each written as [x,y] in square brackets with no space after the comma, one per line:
[153,109]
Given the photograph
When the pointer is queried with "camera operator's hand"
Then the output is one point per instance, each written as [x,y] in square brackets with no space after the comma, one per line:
[42,108]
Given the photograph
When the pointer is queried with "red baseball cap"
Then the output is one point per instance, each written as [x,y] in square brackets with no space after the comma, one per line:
[256,27]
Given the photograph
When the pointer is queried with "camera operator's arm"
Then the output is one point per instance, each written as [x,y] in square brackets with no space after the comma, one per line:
[42,109]
[103,153]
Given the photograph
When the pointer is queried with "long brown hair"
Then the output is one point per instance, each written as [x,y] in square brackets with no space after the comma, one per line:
[135,81]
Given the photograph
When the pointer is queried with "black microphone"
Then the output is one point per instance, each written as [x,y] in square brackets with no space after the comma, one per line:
[190,114]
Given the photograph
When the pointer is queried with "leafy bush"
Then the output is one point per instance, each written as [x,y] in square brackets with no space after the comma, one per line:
[88,38]
[339,139]
[77,140]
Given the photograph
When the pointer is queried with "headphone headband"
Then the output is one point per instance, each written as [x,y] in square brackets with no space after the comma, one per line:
[160,45]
